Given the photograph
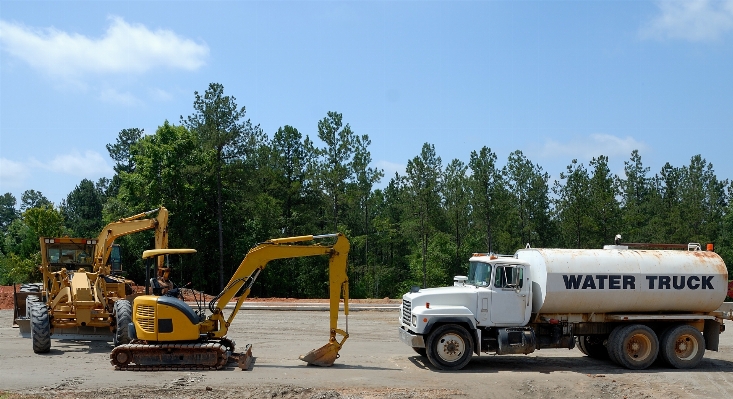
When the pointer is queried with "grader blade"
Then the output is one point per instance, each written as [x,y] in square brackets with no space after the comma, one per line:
[323,356]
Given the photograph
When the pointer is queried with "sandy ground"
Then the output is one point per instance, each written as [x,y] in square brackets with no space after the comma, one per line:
[373,364]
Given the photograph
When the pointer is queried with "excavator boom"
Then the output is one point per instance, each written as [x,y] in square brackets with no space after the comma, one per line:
[130,225]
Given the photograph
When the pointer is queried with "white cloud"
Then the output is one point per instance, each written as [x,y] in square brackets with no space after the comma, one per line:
[160,94]
[390,168]
[90,165]
[692,20]
[12,174]
[585,148]
[124,48]
[115,97]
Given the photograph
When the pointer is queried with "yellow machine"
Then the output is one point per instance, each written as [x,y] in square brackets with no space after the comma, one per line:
[167,334]
[81,287]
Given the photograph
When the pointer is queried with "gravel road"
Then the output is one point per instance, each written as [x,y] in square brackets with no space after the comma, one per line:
[373,364]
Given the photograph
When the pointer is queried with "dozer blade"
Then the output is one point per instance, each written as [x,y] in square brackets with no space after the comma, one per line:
[323,356]
[244,359]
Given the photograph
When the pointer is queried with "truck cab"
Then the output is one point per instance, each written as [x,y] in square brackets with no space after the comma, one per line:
[485,310]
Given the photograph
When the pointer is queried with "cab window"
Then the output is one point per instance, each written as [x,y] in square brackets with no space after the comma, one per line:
[509,276]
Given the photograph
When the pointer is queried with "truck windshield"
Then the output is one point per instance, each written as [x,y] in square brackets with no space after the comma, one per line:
[479,274]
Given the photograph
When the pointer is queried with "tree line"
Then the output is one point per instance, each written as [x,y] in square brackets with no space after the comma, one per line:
[228,186]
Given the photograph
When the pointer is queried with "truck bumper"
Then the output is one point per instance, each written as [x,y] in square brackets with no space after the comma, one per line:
[415,341]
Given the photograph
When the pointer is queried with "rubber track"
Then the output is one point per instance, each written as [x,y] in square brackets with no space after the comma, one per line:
[222,355]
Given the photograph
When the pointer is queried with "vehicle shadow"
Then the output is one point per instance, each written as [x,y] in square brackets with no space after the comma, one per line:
[64,346]
[554,364]
[337,366]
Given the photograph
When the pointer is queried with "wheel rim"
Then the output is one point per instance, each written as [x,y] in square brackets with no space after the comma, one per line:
[451,347]
[639,347]
[685,347]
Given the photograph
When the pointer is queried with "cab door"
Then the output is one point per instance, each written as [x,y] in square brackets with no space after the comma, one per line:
[510,296]
[483,306]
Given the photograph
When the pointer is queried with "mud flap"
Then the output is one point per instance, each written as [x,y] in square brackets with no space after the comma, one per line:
[323,356]
[711,333]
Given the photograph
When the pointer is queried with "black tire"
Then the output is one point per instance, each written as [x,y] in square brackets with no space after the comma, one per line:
[32,287]
[123,317]
[611,339]
[421,351]
[30,301]
[579,342]
[592,346]
[635,347]
[40,328]
[682,346]
[449,347]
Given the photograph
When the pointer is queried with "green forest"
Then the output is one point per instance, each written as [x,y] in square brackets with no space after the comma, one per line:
[229,185]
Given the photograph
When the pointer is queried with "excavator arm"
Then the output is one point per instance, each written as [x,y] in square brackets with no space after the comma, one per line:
[283,248]
[130,225]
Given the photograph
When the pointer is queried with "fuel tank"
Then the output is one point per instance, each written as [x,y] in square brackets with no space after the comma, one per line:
[625,280]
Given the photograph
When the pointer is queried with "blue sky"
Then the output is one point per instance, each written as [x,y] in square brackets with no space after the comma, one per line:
[558,80]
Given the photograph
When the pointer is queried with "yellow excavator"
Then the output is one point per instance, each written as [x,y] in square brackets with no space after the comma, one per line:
[168,334]
[82,283]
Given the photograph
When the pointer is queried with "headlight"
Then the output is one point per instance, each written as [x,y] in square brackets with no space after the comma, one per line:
[414,320]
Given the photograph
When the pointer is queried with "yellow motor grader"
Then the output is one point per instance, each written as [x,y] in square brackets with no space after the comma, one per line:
[82,284]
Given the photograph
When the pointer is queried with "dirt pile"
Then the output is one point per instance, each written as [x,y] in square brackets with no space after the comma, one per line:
[6,296]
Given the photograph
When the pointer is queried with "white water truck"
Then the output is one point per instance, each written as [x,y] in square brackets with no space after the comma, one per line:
[628,305]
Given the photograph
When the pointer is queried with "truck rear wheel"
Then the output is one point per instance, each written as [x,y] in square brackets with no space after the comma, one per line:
[40,328]
[609,346]
[682,346]
[123,318]
[449,347]
[635,346]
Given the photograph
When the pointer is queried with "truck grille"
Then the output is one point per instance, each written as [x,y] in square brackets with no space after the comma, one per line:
[406,311]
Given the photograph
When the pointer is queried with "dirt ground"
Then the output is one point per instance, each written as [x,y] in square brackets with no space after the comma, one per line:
[373,364]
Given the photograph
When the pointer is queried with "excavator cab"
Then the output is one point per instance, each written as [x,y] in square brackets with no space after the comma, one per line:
[160,283]
[164,316]
[115,260]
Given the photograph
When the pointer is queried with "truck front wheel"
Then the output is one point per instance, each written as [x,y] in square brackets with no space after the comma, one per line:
[450,347]
[682,346]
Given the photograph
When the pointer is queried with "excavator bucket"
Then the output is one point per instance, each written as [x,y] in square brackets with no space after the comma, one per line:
[323,356]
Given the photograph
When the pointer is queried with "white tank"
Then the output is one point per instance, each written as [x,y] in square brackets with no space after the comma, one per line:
[625,280]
